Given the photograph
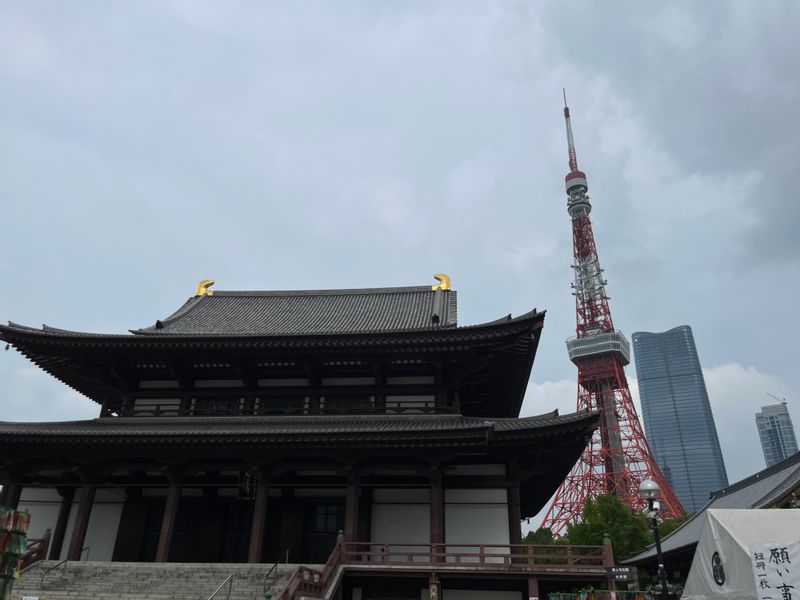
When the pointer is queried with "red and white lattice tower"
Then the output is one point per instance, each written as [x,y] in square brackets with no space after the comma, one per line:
[617,458]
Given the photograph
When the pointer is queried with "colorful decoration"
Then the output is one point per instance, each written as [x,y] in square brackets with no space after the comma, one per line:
[13,545]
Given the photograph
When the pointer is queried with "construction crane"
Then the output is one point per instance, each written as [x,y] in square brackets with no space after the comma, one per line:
[783,400]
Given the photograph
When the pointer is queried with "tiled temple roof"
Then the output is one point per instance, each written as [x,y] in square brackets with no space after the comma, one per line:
[303,327]
[310,312]
[305,427]
[760,490]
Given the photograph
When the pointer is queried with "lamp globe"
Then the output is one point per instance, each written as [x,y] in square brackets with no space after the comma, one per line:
[649,490]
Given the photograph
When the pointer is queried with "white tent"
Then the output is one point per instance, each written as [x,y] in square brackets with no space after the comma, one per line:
[724,561]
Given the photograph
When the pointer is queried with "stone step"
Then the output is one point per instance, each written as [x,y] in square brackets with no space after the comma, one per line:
[149,581]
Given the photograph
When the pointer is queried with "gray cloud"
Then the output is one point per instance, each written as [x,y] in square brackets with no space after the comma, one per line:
[149,145]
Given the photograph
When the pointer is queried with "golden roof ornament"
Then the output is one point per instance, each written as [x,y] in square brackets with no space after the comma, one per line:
[444,282]
[202,288]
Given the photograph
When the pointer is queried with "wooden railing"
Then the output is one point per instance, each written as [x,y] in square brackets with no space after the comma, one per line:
[311,582]
[290,407]
[517,558]
[477,556]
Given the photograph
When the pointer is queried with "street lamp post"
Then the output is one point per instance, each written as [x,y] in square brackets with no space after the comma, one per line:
[649,490]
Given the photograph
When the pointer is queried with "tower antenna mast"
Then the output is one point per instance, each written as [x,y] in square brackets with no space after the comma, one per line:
[617,458]
[573,159]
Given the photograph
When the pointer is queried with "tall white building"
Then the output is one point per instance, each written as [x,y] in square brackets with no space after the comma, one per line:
[776,431]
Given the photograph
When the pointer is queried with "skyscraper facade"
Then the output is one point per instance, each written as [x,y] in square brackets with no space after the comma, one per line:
[677,414]
[776,431]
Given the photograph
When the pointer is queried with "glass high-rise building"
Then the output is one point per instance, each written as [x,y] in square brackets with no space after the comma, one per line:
[776,432]
[677,415]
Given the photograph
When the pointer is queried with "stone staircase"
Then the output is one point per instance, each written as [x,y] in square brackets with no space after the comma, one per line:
[148,581]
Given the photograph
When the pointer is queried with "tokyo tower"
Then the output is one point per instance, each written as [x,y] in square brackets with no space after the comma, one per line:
[617,458]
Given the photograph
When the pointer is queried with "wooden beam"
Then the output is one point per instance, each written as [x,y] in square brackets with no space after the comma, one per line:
[11,495]
[81,522]
[315,389]
[168,522]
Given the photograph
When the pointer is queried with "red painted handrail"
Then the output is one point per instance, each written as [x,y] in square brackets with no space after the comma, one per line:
[37,550]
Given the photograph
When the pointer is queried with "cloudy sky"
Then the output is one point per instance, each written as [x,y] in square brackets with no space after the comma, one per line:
[145,146]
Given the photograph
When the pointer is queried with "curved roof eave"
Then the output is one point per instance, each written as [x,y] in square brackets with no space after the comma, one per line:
[7,332]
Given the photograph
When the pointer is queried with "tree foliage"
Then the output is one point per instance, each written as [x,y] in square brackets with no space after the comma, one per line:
[670,525]
[541,536]
[629,531]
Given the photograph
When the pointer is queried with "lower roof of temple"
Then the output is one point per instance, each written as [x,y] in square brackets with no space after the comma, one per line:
[543,447]
[335,431]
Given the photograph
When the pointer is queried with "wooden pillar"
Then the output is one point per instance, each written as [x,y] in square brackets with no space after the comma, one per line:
[259,522]
[608,559]
[11,495]
[105,410]
[168,522]
[364,520]
[533,588]
[81,522]
[608,551]
[351,508]
[57,541]
[437,513]
[514,515]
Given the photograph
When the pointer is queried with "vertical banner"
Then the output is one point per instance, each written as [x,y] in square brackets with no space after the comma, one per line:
[776,569]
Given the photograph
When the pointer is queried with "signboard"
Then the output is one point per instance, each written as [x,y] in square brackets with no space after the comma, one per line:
[621,573]
[247,485]
[776,569]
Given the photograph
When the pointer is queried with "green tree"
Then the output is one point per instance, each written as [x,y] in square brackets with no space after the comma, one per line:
[628,531]
[670,525]
[544,537]
[541,536]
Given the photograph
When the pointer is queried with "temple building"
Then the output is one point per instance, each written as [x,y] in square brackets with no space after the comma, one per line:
[263,426]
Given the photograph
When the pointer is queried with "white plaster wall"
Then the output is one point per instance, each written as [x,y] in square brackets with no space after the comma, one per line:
[401,516]
[480,470]
[348,381]
[320,492]
[101,535]
[410,404]
[476,516]
[165,405]
[480,595]
[410,380]
[43,505]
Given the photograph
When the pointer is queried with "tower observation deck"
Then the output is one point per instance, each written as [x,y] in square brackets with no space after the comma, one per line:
[617,458]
